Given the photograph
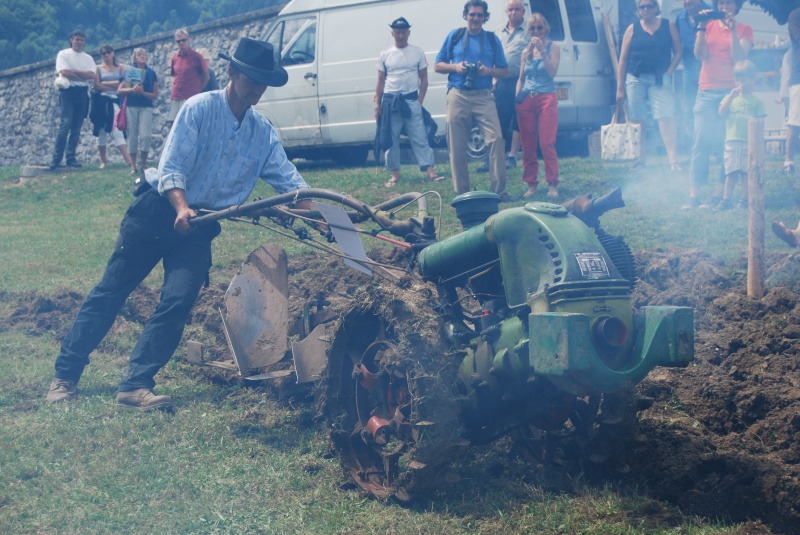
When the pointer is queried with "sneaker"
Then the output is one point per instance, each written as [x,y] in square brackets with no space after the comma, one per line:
[62,390]
[74,163]
[483,168]
[693,203]
[724,204]
[511,162]
[712,202]
[143,400]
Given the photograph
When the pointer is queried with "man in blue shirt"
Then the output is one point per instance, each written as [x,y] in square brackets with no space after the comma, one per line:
[215,153]
[687,29]
[471,57]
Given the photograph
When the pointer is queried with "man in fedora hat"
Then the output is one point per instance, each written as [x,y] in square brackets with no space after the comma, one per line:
[402,84]
[213,157]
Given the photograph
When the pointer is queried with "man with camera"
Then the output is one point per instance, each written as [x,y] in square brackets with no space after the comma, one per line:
[471,57]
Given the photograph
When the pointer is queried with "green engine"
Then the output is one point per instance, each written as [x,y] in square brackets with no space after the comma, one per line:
[550,316]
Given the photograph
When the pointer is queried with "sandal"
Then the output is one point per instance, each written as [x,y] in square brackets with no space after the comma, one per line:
[784,233]
[392,183]
[437,178]
[675,166]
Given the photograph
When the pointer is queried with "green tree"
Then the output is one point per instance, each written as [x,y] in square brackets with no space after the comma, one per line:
[36,31]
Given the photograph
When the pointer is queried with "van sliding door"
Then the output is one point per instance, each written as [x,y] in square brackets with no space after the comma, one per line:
[591,62]
[294,108]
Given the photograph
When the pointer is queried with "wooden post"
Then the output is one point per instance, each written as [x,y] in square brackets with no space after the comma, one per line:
[755,188]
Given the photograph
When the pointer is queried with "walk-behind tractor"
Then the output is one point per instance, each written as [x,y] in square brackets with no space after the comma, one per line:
[520,324]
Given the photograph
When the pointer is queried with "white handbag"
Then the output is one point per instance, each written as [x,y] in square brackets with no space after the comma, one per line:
[620,141]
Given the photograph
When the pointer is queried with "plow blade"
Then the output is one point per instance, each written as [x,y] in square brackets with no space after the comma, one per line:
[311,355]
[257,309]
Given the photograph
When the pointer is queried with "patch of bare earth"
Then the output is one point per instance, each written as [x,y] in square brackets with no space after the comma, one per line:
[720,438]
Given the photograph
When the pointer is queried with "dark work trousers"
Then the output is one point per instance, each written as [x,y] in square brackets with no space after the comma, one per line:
[146,236]
[74,103]
[504,95]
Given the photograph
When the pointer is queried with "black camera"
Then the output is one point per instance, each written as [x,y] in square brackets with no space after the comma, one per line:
[472,73]
[707,15]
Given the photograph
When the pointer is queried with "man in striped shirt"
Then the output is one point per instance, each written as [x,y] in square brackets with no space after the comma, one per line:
[213,157]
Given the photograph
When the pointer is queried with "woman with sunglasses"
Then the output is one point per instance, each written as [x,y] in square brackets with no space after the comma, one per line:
[537,106]
[719,44]
[651,51]
[105,105]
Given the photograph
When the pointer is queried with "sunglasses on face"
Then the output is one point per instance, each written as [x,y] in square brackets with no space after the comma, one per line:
[537,28]
[647,6]
[179,41]
[106,52]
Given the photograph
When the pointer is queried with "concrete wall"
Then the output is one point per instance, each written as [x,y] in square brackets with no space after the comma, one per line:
[29,110]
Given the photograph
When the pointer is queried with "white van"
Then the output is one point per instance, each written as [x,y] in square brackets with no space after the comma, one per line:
[330,48]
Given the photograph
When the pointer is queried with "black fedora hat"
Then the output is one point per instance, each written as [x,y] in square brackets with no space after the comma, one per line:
[257,60]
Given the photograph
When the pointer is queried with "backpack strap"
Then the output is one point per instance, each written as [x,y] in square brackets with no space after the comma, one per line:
[461,35]
[456,38]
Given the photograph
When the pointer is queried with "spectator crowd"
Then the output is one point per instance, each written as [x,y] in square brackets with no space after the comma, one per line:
[503,81]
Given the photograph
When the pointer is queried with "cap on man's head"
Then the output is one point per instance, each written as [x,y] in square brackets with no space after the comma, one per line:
[400,24]
[256,60]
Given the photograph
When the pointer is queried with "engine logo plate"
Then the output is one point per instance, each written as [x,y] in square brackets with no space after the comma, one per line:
[593,265]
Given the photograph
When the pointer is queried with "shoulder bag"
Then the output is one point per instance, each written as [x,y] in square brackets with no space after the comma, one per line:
[620,141]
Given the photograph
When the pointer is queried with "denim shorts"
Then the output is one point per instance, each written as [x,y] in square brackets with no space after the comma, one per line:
[643,89]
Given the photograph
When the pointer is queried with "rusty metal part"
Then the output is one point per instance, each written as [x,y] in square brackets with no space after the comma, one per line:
[194,352]
[311,355]
[271,375]
[235,350]
[363,396]
[257,302]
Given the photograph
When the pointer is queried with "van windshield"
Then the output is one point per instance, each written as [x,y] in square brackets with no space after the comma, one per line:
[294,41]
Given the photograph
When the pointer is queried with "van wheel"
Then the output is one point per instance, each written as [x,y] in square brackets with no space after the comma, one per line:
[476,148]
[351,156]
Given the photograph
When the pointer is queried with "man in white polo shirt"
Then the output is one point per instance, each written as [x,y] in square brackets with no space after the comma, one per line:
[79,69]
[402,84]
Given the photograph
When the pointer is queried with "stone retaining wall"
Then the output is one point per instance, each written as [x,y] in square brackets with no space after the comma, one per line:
[29,109]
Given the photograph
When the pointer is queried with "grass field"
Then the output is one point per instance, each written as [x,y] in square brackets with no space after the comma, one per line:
[235,459]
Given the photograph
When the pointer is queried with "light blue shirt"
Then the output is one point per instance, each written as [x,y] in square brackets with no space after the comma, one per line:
[217,161]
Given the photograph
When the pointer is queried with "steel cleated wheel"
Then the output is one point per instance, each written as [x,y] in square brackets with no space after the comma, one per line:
[369,405]
[393,424]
